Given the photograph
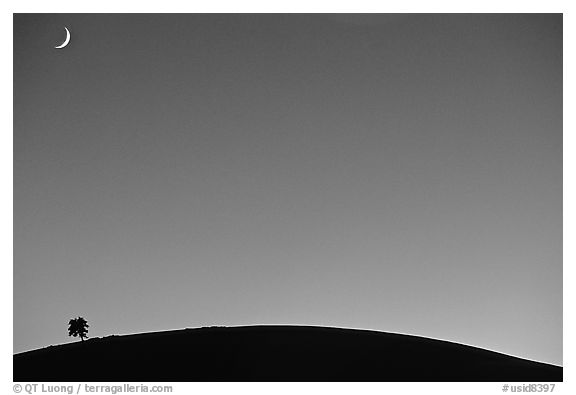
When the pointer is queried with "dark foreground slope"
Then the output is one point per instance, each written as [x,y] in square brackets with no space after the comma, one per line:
[274,353]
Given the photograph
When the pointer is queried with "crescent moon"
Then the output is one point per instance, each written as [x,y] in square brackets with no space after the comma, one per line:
[65,41]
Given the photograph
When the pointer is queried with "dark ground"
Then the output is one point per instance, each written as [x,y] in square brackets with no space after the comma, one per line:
[274,353]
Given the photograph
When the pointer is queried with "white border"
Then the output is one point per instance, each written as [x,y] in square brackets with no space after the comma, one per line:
[230,6]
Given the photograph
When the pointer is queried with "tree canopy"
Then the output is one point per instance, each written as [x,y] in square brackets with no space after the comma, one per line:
[78,327]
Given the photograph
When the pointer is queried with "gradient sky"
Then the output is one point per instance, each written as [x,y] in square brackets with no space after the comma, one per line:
[401,173]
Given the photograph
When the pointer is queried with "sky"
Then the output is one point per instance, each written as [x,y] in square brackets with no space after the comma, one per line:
[400,173]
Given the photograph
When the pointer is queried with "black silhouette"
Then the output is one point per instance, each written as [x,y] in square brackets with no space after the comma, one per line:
[275,353]
[78,327]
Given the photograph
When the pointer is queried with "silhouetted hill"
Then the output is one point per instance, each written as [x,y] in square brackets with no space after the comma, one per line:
[274,353]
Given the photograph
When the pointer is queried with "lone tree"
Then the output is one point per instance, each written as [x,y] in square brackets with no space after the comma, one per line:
[78,327]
